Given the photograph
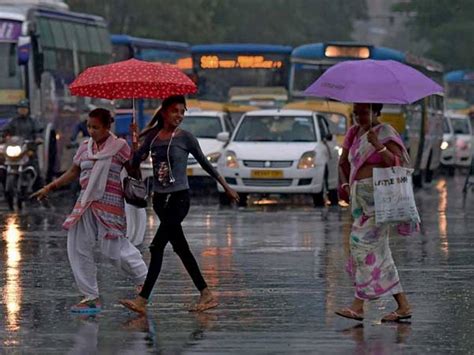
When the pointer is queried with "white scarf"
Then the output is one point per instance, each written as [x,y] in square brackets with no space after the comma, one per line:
[103,159]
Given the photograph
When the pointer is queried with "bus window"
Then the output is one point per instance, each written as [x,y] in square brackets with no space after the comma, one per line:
[95,44]
[58,34]
[46,33]
[69,34]
[50,62]
[83,39]
[305,75]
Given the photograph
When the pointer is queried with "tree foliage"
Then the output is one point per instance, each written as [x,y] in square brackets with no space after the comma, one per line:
[448,27]
[290,22]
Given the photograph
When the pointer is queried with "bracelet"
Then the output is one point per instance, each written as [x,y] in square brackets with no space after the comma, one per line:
[382,149]
[345,184]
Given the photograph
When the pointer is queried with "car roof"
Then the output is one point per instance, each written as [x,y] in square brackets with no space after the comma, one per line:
[456,115]
[194,112]
[277,112]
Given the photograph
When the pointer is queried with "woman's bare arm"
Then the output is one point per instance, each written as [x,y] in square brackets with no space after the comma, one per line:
[65,179]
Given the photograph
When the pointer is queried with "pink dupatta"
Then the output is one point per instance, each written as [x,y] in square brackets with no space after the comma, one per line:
[360,149]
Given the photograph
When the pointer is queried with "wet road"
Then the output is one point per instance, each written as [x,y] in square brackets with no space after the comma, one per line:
[278,272]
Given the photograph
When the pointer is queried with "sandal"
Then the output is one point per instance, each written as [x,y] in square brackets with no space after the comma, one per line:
[200,307]
[131,305]
[395,317]
[349,313]
[87,306]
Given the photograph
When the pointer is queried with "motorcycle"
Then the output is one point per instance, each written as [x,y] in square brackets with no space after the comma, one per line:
[21,172]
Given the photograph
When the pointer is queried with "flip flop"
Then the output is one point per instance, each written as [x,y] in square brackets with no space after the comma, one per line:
[397,317]
[131,306]
[349,313]
[200,307]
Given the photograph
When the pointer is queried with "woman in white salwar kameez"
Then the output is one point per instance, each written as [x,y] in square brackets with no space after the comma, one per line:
[98,217]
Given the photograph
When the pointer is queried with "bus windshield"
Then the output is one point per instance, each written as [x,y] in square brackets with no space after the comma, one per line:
[218,74]
[10,76]
[10,80]
[306,74]
[121,52]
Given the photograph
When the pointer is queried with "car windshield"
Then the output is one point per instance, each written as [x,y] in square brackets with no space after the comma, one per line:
[337,123]
[202,126]
[276,129]
[446,128]
[460,126]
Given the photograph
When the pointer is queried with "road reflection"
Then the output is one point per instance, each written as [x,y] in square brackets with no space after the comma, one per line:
[12,294]
[441,187]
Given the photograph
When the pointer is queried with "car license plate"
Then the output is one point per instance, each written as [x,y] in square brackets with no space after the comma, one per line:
[189,171]
[266,174]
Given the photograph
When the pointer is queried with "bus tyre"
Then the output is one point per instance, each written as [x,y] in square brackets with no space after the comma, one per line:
[243,200]
[223,199]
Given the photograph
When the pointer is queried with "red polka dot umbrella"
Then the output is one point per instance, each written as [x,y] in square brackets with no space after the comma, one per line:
[132,79]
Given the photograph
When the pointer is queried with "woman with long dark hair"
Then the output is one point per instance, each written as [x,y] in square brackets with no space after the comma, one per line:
[170,146]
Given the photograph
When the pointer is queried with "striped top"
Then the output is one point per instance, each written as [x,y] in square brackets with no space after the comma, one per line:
[109,210]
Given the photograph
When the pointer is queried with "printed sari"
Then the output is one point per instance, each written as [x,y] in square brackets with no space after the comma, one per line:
[371,264]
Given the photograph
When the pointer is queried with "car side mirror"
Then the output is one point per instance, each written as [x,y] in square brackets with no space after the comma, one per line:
[329,137]
[223,137]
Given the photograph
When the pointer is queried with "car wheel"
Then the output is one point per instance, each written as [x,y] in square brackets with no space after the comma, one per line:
[243,200]
[223,199]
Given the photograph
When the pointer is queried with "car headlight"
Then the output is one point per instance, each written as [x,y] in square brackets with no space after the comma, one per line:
[444,145]
[13,151]
[307,160]
[231,160]
[213,157]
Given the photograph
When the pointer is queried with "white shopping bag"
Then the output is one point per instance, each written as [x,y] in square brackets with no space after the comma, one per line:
[393,195]
[136,224]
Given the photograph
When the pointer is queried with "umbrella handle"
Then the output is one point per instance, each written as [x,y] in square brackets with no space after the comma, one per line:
[133,129]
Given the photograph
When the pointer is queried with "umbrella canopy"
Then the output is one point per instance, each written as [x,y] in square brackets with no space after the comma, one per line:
[132,79]
[373,81]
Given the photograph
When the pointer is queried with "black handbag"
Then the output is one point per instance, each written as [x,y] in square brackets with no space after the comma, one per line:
[135,192]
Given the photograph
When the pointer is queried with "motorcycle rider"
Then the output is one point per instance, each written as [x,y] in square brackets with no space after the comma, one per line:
[24,126]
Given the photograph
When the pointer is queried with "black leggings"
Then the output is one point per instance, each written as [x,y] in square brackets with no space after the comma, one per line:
[171,210]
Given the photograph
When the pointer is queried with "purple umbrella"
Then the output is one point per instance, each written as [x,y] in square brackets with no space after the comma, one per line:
[373,81]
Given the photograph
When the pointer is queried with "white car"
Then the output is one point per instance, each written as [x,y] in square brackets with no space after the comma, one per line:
[281,152]
[205,126]
[457,145]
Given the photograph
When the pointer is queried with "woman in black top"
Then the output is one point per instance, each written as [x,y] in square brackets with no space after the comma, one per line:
[170,146]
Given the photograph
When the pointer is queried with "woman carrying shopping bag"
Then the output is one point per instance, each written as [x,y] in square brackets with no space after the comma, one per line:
[370,144]
[170,146]
[98,216]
